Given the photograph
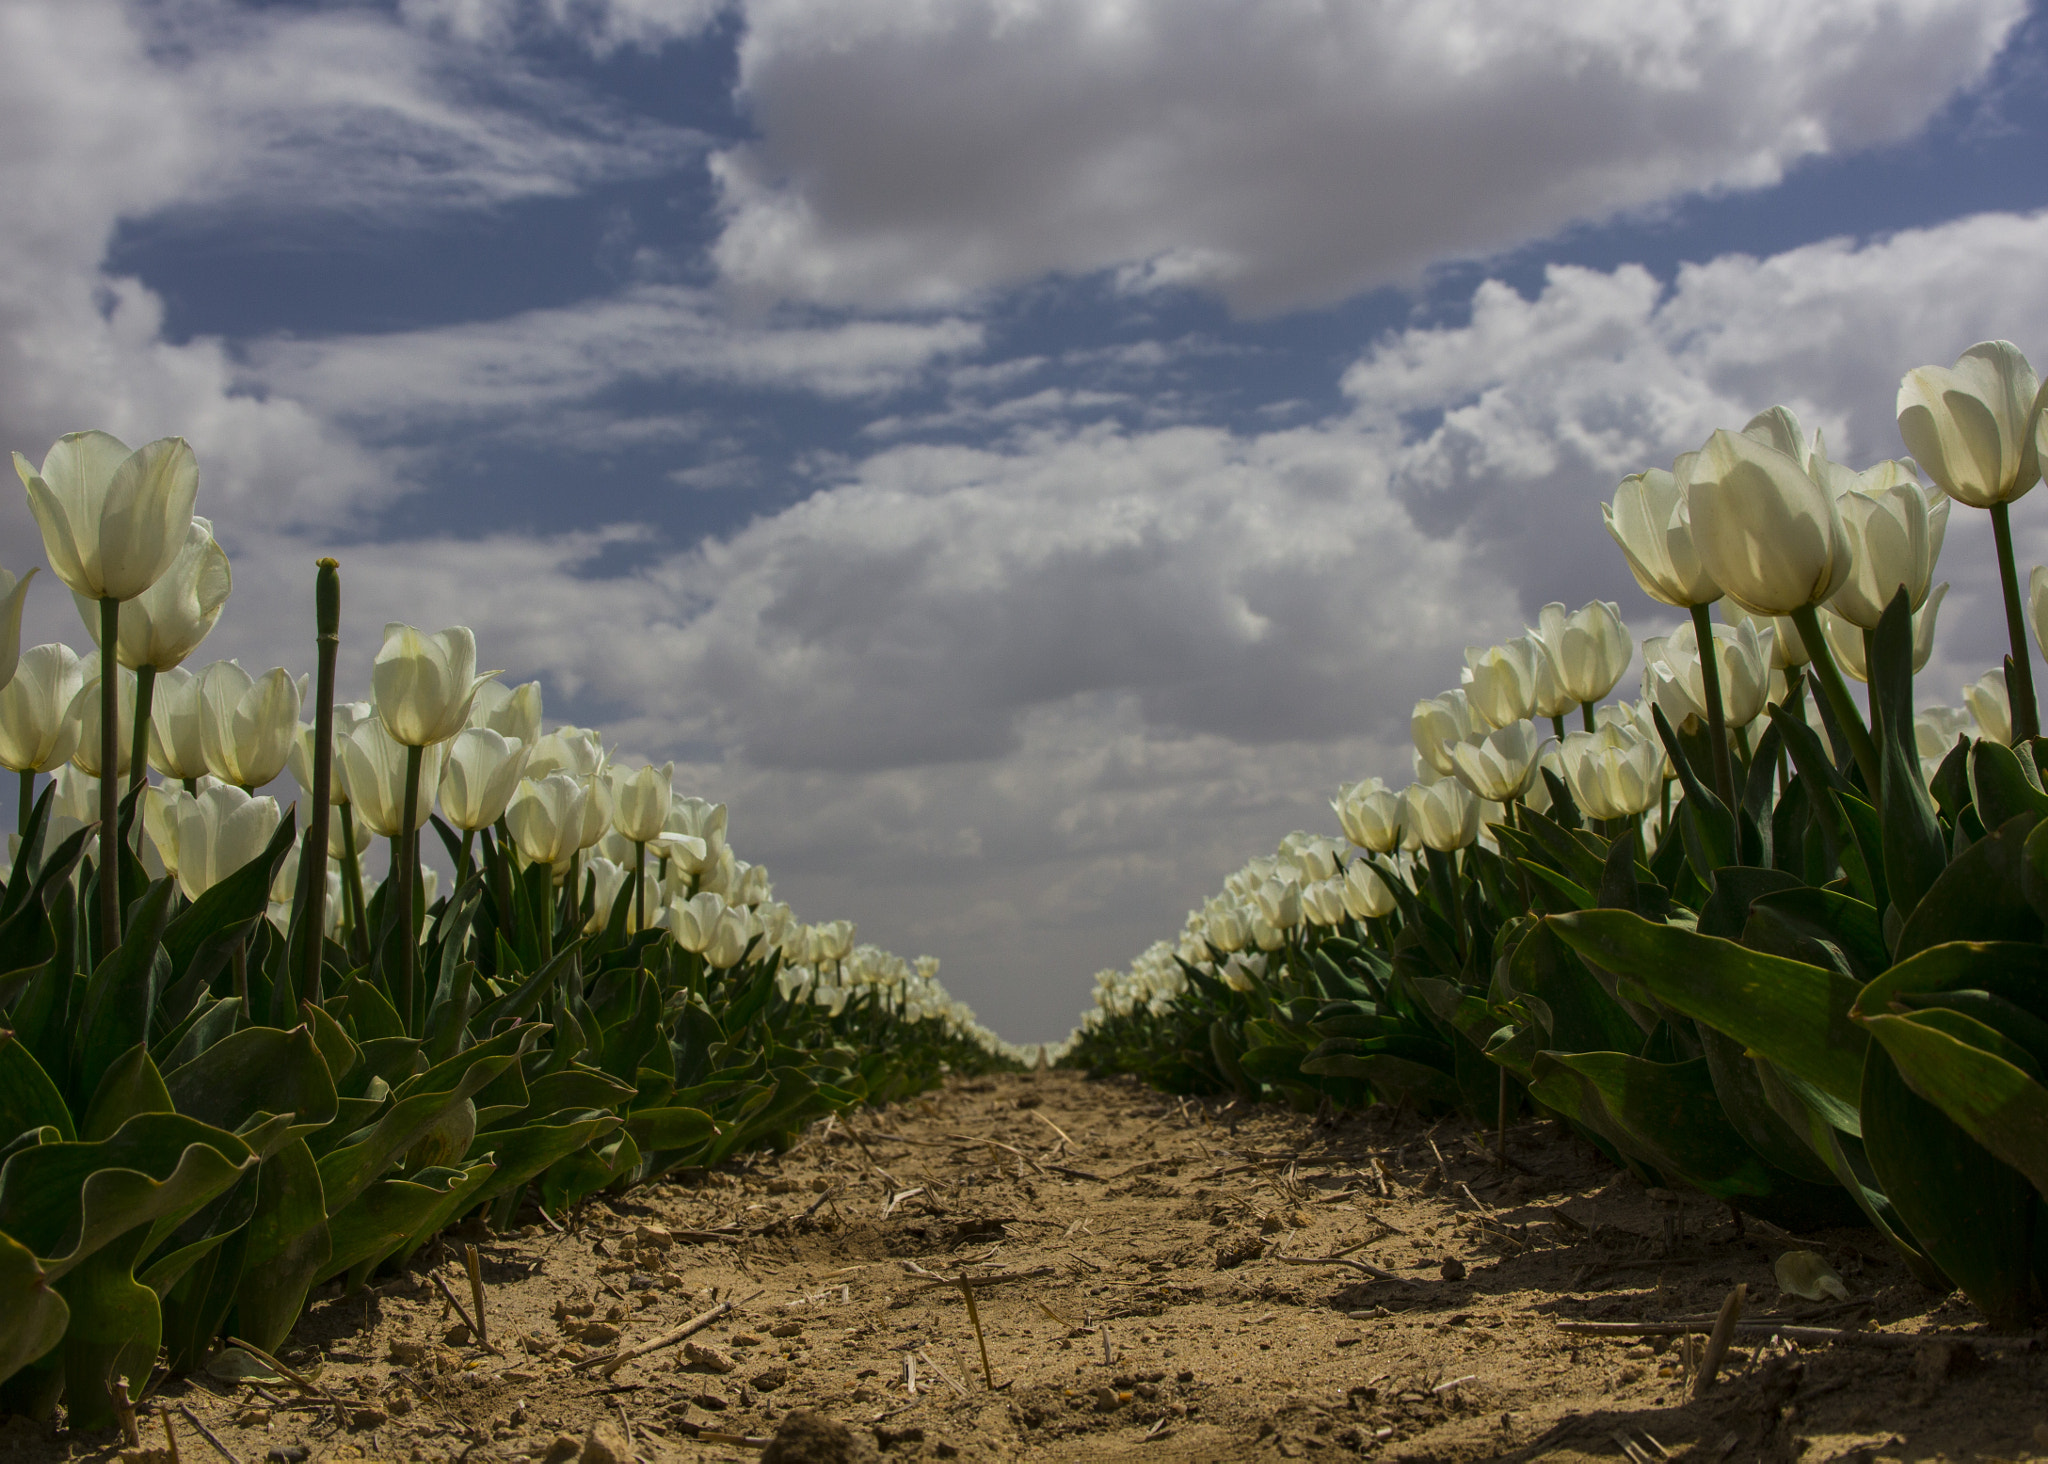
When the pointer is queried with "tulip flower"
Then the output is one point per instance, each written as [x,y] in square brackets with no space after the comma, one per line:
[1322,903]
[479,774]
[835,939]
[1787,649]
[1676,681]
[37,732]
[1849,643]
[423,685]
[1936,730]
[546,817]
[85,710]
[372,766]
[2037,605]
[1445,815]
[1438,721]
[1773,538]
[1894,538]
[692,921]
[247,724]
[511,711]
[113,521]
[12,593]
[1501,682]
[576,750]
[1366,895]
[1613,772]
[217,833]
[1370,813]
[1975,429]
[1986,699]
[1499,767]
[641,798]
[1590,650]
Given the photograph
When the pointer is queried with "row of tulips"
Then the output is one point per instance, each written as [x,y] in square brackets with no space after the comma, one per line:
[232,1067]
[1749,933]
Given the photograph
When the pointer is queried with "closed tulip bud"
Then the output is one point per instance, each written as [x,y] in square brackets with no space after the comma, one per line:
[160,819]
[1444,816]
[218,832]
[1894,538]
[177,721]
[836,939]
[1770,536]
[1279,902]
[422,685]
[1674,680]
[372,763]
[1647,519]
[1366,895]
[511,711]
[546,817]
[1312,856]
[1990,707]
[1499,767]
[1370,813]
[1552,697]
[113,521]
[685,853]
[85,711]
[1936,730]
[299,757]
[248,723]
[728,942]
[1502,684]
[754,887]
[597,811]
[479,774]
[1227,930]
[1845,639]
[1590,649]
[166,622]
[607,879]
[693,921]
[1438,721]
[1973,427]
[1614,772]
[74,802]
[640,800]
[12,593]
[575,750]
[38,734]
[1322,903]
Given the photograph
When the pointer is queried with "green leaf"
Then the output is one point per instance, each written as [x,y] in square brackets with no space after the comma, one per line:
[1980,896]
[258,1071]
[1793,1013]
[28,1099]
[131,1085]
[121,994]
[32,1315]
[2002,787]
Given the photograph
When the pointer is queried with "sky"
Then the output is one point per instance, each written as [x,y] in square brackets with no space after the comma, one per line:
[1020,455]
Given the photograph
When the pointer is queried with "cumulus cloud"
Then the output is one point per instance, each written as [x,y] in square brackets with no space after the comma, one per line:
[1285,155]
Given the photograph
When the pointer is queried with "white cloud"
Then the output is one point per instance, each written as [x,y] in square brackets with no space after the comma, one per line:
[1285,154]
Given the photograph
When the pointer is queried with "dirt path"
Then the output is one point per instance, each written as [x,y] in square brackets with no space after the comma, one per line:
[1154,1315]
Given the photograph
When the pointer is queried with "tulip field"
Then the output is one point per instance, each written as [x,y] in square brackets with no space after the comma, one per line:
[232,1067]
[1755,935]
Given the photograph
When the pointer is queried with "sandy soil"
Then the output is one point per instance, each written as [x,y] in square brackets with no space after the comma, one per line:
[1156,1284]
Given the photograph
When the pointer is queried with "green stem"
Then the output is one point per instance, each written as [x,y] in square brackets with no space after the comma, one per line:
[468,858]
[138,744]
[27,798]
[313,858]
[110,781]
[1586,718]
[408,872]
[546,881]
[639,884]
[2026,716]
[352,883]
[1557,726]
[1837,692]
[1717,717]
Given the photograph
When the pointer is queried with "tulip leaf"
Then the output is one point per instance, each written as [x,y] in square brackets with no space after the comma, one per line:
[1979,1080]
[242,896]
[1979,896]
[1794,1013]
[380,1218]
[1970,1213]
[1821,927]
[255,1072]
[28,1099]
[130,1085]
[33,1315]
[2002,786]
[121,995]
[1740,1089]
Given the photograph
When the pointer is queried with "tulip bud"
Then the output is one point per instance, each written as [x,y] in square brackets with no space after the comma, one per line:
[1894,539]
[1770,536]
[576,750]
[248,724]
[640,800]
[1322,903]
[166,622]
[113,521]
[1499,767]
[372,765]
[12,593]
[1973,427]
[1370,813]
[217,833]
[423,685]
[546,817]
[1614,772]
[1674,680]
[1986,698]
[1438,721]
[1366,895]
[1444,816]
[510,711]
[1845,639]
[1501,684]
[38,734]
[480,773]
[1590,649]
[1647,519]
[85,711]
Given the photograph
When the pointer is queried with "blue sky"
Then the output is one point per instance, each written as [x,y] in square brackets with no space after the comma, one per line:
[1020,454]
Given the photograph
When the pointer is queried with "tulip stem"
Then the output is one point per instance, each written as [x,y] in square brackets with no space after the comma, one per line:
[405,846]
[110,777]
[138,744]
[313,860]
[546,881]
[1557,727]
[352,881]
[1717,716]
[26,801]
[1586,719]
[1837,692]
[639,884]
[2026,716]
